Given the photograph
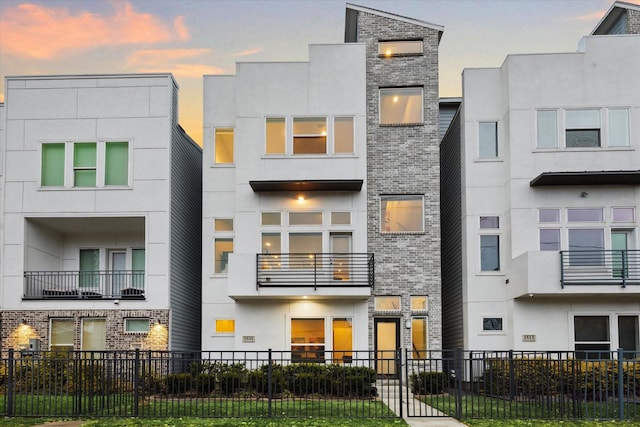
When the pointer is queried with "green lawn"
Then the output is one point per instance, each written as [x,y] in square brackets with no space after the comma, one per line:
[548,423]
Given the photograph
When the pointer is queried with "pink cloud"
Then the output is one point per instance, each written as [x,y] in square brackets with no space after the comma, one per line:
[41,32]
[181,28]
[596,16]
[248,52]
[185,70]
[171,60]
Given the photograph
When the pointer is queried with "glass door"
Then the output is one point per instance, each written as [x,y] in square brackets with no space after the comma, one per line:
[117,271]
[619,245]
[341,253]
[387,341]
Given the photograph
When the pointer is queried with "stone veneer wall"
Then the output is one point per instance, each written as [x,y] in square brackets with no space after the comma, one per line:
[404,160]
[117,339]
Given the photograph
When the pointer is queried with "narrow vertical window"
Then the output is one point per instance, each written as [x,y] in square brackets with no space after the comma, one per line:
[618,127]
[84,164]
[89,268]
[223,247]
[342,340]
[547,129]
[52,165]
[489,253]
[419,337]
[61,335]
[276,135]
[94,334]
[138,267]
[488,139]
[116,168]
[224,140]
[343,135]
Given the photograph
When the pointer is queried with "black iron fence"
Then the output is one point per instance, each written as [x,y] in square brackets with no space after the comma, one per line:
[600,267]
[459,383]
[84,284]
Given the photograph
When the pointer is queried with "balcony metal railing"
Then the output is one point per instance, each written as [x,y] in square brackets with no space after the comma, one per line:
[600,267]
[123,284]
[315,270]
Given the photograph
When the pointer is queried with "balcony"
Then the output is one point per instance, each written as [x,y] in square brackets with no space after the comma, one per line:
[315,270]
[600,267]
[73,285]
[574,273]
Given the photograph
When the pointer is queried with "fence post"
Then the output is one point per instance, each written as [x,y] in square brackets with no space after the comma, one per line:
[620,385]
[10,384]
[512,378]
[458,379]
[77,383]
[399,371]
[269,385]
[136,382]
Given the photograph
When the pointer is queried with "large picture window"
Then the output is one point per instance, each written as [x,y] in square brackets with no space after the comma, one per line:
[591,334]
[401,106]
[307,340]
[401,214]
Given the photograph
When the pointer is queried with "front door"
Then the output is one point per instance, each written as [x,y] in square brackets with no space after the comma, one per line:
[117,270]
[387,342]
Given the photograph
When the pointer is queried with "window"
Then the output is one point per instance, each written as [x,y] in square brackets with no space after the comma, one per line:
[89,276]
[419,303]
[547,129]
[400,47]
[387,303]
[488,139]
[224,146]
[492,323]
[419,337]
[84,164]
[305,218]
[116,170]
[582,128]
[401,106]
[271,245]
[52,165]
[307,340]
[309,135]
[136,325]
[550,239]
[225,326]
[305,243]
[591,335]
[489,222]
[628,336]
[138,267]
[61,334]
[343,135]
[87,173]
[618,127]
[585,215]
[223,247]
[549,215]
[342,329]
[586,246]
[270,218]
[276,135]
[623,214]
[223,224]
[340,218]
[401,214]
[94,334]
[489,244]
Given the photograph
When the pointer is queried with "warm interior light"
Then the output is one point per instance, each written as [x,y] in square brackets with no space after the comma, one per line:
[388,52]
[268,244]
[395,99]
[301,198]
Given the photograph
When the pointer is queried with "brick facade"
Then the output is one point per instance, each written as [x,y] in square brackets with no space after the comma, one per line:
[404,160]
[633,21]
[16,334]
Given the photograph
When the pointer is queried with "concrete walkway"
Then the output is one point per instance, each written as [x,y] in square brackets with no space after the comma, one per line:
[427,416]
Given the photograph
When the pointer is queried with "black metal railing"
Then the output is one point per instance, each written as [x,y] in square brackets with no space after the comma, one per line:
[84,284]
[315,270]
[600,267]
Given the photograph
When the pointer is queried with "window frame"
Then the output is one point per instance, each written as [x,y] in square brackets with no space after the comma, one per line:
[488,231]
[398,90]
[380,298]
[399,52]
[224,130]
[128,319]
[490,317]
[385,213]
[323,135]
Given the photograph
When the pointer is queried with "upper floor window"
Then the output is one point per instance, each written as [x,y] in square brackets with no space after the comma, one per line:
[343,135]
[276,135]
[584,128]
[309,135]
[488,139]
[223,244]
[75,164]
[400,47]
[489,243]
[224,146]
[401,106]
[402,213]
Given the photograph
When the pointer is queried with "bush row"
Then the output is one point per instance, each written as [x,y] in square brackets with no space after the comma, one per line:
[532,377]
[429,382]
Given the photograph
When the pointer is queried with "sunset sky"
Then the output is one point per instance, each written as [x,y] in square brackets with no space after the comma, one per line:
[190,38]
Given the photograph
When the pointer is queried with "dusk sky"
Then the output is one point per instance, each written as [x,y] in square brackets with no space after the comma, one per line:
[190,38]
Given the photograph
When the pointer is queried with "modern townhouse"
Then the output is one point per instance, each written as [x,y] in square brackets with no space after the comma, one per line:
[101,215]
[541,226]
[321,197]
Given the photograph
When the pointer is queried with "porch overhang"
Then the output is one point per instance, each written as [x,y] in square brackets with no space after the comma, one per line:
[631,177]
[307,185]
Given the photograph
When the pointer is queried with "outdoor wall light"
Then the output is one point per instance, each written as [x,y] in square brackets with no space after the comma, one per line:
[23,321]
[407,324]
[584,194]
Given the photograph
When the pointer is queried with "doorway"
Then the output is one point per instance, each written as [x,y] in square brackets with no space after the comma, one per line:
[620,244]
[117,270]
[341,252]
[387,342]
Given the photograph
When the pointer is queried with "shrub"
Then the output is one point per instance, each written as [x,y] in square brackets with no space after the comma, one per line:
[178,383]
[429,382]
